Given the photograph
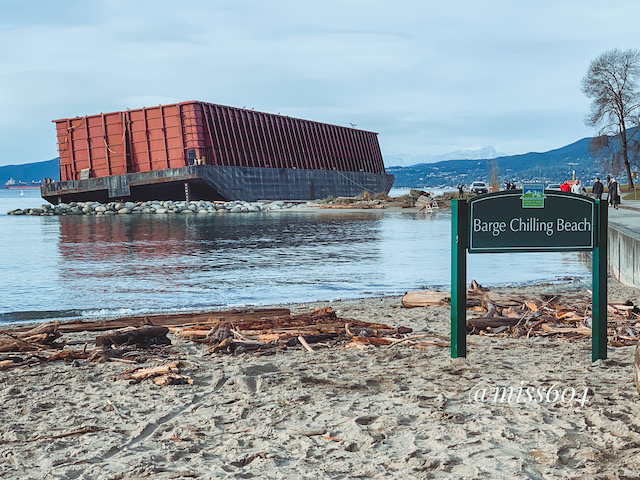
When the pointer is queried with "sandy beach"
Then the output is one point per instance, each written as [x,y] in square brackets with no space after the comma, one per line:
[377,412]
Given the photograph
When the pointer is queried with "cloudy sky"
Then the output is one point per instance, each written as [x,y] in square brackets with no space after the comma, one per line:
[429,77]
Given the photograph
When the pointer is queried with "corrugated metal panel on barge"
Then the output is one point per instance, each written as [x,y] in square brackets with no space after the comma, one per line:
[172,136]
[122,142]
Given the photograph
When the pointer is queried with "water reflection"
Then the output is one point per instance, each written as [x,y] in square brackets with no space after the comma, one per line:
[193,261]
[137,263]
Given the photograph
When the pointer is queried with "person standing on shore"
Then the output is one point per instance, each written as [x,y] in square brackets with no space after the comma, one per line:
[578,188]
[614,193]
[597,189]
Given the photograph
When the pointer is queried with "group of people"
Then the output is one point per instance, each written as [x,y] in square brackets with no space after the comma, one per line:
[614,191]
[613,188]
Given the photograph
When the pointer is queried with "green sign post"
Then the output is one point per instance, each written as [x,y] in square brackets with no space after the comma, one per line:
[528,220]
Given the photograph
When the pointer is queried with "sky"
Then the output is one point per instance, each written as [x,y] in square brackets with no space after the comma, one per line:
[428,77]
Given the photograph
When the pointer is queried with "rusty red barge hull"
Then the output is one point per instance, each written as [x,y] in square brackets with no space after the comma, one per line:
[199,150]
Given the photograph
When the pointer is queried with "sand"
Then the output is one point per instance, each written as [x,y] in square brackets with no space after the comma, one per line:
[337,413]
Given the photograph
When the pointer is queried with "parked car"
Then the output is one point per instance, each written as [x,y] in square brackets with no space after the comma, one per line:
[478,187]
[553,186]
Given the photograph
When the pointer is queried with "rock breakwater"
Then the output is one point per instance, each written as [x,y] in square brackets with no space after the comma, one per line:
[168,207]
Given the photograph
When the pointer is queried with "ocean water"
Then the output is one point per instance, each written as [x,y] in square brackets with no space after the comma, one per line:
[88,266]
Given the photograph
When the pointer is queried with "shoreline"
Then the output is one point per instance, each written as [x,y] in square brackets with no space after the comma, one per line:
[379,412]
[565,283]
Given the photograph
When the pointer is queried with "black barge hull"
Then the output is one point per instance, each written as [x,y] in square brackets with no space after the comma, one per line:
[227,183]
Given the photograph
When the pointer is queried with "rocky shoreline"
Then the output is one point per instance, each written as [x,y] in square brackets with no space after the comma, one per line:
[202,207]
[206,207]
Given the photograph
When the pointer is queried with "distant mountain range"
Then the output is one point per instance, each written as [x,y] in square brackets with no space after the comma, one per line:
[30,172]
[406,160]
[553,166]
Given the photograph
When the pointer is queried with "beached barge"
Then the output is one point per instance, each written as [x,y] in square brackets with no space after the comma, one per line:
[198,150]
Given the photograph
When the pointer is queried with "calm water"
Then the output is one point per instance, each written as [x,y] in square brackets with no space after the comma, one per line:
[62,267]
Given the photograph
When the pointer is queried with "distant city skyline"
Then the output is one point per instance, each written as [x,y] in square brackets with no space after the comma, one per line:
[431,78]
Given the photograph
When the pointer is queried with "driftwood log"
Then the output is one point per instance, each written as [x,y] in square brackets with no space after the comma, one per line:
[168,374]
[476,296]
[181,319]
[495,322]
[435,298]
[143,337]
[30,339]
[426,298]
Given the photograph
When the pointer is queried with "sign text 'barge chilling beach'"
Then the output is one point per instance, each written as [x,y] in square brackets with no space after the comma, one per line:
[528,220]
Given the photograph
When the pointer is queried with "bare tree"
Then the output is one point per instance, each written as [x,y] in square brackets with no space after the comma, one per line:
[612,84]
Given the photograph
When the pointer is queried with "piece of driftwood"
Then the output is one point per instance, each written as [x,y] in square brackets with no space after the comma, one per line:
[309,339]
[434,298]
[504,301]
[580,330]
[68,355]
[484,323]
[212,317]
[5,364]
[476,287]
[143,337]
[30,339]
[304,343]
[372,340]
[490,306]
[426,298]
[230,345]
[139,374]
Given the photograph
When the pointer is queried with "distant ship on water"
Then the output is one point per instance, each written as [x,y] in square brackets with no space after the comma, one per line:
[12,184]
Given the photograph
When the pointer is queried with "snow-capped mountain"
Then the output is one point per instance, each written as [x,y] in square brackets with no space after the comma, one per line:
[404,160]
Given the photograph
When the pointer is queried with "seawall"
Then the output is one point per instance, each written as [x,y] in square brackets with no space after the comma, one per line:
[624,252]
